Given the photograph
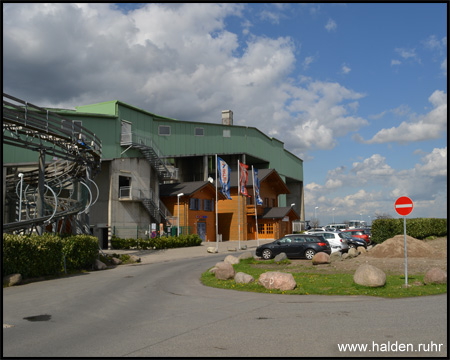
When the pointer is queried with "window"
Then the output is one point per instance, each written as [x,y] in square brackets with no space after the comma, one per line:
[125,135]
[226,133]
[124,187]
[208,205]
[194,204]
[199,131]
[266,202]
[164,130]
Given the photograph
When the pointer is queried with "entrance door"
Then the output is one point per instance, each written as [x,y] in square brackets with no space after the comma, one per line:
[201,230]
[104,240]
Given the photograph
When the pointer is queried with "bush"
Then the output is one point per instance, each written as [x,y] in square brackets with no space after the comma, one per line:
[419,228]
[162,242]
[41,255]
[80,251]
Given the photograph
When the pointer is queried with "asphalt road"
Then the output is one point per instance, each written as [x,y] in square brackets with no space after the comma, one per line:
[162,309]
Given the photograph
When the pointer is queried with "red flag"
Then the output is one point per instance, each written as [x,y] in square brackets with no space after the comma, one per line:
[243,179]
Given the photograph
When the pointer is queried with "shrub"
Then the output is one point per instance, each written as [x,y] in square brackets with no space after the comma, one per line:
[80,251]
[162,242]
[419,228]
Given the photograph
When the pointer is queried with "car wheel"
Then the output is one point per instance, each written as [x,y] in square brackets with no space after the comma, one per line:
[266,254]
[309,254]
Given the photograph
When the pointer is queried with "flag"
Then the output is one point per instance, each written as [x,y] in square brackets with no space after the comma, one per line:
[256,185]
[243,179]
[224,177]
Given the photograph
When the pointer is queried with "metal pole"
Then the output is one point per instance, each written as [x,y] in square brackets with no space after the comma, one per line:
[239,204]
[256,215]
[20,201]
[406,255]
[217,221]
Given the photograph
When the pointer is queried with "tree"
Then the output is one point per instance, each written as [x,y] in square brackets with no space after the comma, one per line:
[382,216]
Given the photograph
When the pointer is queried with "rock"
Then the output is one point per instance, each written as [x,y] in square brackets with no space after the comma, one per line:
[246,255]
[370,247]
[277,280]
[243,247]
[337,255]
[361,249]
[368,275]
[321,258]
[224,271]
[212,249]
[98,265]
[232,249]
[135,258]
[11,280]
[352,252]
[230,259]
[435,276]
[213,270]
[116,261]
[280,257]
[345,256]
[243,278]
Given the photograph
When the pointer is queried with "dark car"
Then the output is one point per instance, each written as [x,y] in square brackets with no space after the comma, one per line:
[295,246]
[359,233]
[353,242]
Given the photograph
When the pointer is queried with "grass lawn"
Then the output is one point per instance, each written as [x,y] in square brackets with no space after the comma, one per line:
[324,284]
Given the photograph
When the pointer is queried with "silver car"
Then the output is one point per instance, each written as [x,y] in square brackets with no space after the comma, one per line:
[336,242]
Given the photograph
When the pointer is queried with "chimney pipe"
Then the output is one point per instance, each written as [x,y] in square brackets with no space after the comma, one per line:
[227,117]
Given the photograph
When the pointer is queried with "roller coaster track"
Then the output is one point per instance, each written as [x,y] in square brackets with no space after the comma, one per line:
[56,196]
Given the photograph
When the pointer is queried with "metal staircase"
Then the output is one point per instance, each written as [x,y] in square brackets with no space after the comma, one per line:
[165,171]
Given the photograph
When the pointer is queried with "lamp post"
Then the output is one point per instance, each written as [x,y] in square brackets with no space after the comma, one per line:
[20,201]
[178,199]
[315,216]
[369,219]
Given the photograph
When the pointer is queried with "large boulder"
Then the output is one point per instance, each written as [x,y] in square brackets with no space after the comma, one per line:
[277,280]
[230,259]
[435,276]
[98,265]
[243,278]
[361,249]
[12,279]
[368,275]
[335,256]
[321,258]
[224,271]
[212,249]
[280,257]
[246,255]
[352,252]
[116,261]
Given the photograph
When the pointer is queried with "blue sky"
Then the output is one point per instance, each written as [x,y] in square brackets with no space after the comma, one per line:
[358,91]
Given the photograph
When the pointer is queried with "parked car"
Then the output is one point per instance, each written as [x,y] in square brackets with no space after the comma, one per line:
[311,231]
[353,242]
[358,233]
[295,246]
[337,243]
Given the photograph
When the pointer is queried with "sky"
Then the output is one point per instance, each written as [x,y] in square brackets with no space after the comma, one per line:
[358,91]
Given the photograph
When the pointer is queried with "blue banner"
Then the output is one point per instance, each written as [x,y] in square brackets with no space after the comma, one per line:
[224,177]
[258,197]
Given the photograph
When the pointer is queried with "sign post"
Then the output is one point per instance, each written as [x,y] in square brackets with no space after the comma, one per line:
[404,206]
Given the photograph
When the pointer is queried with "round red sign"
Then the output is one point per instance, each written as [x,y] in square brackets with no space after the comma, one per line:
[404,206]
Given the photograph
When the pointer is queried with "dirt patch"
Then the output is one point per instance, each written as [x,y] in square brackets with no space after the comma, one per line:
[395,248]
[433,253]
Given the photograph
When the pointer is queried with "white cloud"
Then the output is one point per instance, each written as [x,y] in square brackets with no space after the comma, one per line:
[345,69]
[429,126]
[407,53]
[308,61]
[395,62]
[331,25]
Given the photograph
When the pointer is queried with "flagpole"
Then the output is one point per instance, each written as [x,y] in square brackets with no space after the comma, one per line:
[254,198]
[239,204]
[217,223]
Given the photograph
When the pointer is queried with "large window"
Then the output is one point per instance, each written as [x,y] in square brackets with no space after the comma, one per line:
[195,204]
[164,130]
[124,187]
[199,131]
[125,134]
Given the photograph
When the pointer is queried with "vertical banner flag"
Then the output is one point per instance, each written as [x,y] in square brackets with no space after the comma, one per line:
[258,197]
[224,177]
[243,179]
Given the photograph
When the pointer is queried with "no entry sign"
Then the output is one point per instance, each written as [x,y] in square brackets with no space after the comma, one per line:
[404,206]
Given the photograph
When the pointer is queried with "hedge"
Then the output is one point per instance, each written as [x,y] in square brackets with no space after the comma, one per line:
[418,228]
[40,255]
[163,242]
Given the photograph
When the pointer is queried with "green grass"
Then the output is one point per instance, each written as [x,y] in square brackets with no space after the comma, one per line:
[323,284]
